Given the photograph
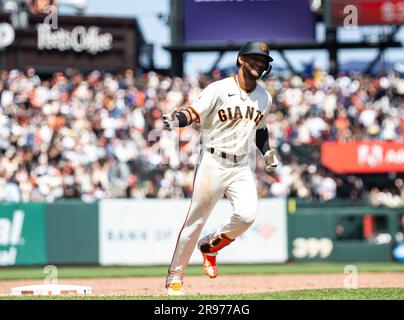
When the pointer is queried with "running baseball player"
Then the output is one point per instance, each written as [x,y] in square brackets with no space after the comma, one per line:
[233,112]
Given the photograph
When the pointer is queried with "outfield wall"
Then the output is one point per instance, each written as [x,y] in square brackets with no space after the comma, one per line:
[144,232]
[128,232]
[343,231]
[23,234]
[72,233]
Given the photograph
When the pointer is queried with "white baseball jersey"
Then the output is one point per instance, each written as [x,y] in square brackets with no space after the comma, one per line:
[230,116]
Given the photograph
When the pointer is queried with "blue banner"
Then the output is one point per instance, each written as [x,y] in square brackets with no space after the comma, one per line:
[210,21]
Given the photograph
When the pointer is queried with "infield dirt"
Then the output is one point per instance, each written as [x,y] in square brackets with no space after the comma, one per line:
[226,284]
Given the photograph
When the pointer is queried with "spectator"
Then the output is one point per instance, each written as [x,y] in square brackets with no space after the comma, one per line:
[99,136]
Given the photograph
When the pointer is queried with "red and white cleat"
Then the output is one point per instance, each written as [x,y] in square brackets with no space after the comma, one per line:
[209,265]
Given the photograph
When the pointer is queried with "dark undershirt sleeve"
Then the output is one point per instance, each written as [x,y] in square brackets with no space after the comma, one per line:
[261,140]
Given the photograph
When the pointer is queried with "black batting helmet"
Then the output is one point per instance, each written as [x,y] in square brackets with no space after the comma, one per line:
[255,47]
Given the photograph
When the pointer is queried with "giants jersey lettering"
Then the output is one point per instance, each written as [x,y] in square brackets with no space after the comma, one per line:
[230,116]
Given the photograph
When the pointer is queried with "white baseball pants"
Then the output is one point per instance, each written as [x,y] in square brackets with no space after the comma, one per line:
[214,177]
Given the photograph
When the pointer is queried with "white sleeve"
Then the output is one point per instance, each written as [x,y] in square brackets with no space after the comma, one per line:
[205,101]
[263,122]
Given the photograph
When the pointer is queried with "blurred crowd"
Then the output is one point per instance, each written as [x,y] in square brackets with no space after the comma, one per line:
[101,136]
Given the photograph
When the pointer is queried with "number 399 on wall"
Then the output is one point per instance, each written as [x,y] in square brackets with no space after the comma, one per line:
[312,248]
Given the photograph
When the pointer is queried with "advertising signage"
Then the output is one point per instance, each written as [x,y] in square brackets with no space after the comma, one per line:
[127,236]
[363,157]
[22,234]
[210,21]
[79,39]
[79,42]
[366,12]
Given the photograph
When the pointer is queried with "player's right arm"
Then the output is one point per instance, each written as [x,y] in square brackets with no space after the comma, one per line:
[197,110]
[180,118]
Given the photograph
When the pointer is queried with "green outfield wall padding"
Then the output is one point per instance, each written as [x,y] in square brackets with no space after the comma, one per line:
[72,232]
[22,234]
[362,251]
[341,232]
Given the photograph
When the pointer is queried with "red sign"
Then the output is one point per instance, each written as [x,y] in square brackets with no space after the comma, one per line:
[369,12]
[363,157]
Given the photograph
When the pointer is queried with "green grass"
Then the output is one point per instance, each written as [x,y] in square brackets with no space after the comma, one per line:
[21,273]
[322,294]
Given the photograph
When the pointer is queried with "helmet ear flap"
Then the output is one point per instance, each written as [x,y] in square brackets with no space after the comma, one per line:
[266,73]
[269,67]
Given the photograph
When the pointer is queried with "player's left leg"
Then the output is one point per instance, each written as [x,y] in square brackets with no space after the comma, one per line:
[241,191]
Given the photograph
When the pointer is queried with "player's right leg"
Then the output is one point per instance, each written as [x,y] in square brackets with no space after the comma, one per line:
[208,189]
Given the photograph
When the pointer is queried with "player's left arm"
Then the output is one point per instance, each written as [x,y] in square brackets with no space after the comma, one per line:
[262,142]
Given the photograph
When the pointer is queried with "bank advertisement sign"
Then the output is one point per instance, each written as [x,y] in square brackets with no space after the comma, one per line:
[146,232]
[22,234]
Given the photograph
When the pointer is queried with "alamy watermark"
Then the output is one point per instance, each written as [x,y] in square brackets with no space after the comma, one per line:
[351,17]
[51,19]
[51,274]
[351,277]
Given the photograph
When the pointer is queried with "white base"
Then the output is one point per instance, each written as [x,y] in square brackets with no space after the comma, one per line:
[51,290]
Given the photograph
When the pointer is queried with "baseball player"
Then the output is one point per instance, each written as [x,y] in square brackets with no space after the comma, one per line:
[232,112]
